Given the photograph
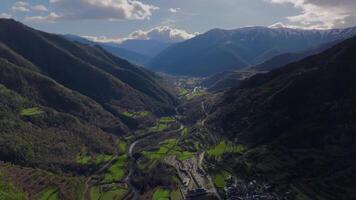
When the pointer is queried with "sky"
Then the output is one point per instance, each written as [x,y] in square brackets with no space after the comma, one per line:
[174,20]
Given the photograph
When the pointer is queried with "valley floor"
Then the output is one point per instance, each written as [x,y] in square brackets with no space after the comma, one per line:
[175,158]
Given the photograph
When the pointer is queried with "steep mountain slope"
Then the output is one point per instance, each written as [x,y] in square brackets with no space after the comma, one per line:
[114,83]
[284,59]
[229,79]
[60,99]
[39,136]
[226,80]
[299,123]
[224,50]
[46,92]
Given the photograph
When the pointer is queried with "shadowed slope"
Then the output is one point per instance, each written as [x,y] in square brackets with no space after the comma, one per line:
[299,121]
[90,71]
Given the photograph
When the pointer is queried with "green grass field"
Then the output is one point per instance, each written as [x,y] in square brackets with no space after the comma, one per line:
[83,160]
[225,147]
[117,171]
[118,193]
[165,146]
[182,92]
[191,81]
[162,124]
[109,194]
[49,194]
[95,193]
[168,148]
[166,120]
[158,128]
[97,159]
[194,94]
[220,179]
[184,155]
[161,194]
[122,146]
[135,115]
[189,95]
[176,195]
[185,132]
[102,158]
[31,112]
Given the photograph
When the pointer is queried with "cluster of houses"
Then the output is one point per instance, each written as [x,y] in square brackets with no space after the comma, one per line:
[193,194]
[248,190]
[188,172]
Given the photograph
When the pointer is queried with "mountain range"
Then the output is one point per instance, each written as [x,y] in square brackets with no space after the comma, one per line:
[134,50]
[131,56]
[223,50]
[298,123]
[149,48]
[277,113]
[229,79]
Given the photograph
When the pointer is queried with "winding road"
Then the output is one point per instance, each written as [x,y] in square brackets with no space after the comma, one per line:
[132,161]
[213,188]
[100,170]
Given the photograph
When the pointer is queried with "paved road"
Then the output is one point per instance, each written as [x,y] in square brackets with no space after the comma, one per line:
[135,191]
[100,170]
[132,161]
[213,188]
[130,166]
[132,146]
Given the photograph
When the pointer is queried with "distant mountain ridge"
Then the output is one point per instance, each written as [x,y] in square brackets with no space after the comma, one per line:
[148,48]
[131,56]
[137,51]
[223,50]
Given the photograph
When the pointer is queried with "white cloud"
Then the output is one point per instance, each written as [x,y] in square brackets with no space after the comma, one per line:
[97,9]
[174,10]
[40,8]
[280,25]
[5,15]
[161,33]
[21,6]
[50,18]
[321,14]
[21,3]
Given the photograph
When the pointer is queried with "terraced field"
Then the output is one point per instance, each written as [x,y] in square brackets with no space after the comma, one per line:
[31,111]
[168,148]
[110,192]
[117,170]
[49,194]
[225,147]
